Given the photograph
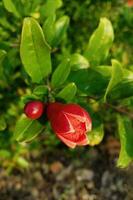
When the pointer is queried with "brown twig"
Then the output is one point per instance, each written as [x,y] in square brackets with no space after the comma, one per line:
[121,109]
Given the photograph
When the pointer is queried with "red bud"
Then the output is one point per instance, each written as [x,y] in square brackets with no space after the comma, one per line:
[34,109]
[70,123]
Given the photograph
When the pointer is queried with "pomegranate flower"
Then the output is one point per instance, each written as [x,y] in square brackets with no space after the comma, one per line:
[70,122]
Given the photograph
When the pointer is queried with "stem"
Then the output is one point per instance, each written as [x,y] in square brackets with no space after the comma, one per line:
[15,45]
[55,50]
[120,109]
[50,96]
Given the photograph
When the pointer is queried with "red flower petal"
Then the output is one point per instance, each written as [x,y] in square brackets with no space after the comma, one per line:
[79,130]
[61,124]
[53,110]
[73,109]
[67,141]
[78,126]
[84,141]
[88,121]
[75,137]
[81,142]
[70,123]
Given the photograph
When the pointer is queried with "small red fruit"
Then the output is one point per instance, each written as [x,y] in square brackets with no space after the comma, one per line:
[70,122]
[34,109]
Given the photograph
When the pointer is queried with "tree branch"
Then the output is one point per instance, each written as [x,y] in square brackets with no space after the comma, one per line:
[121,109]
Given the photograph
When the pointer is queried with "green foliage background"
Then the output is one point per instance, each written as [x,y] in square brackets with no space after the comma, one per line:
[15,83]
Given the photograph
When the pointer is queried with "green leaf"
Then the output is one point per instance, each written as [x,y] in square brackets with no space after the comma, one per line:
[27,129]
[124,89]
[2,123]
[10,7]
[61,73]
[131,68]
[3,81]
[5,154]
[49,28]
[55,31]
[78,61]
[125,130]
[2,55]
[30,7]
[116,77]
[6,24]
[92,82]
[28,97]
[100,42]
[60,29]
[40,90]
[34,51]
[68,92]
[96,135]
[50,7]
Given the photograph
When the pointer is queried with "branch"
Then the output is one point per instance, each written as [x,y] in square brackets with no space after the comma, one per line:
[120,109]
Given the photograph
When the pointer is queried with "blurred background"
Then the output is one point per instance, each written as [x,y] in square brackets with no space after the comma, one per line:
[45,169]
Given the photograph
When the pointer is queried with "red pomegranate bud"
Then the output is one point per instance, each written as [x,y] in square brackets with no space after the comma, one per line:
[34,109]
[70,122]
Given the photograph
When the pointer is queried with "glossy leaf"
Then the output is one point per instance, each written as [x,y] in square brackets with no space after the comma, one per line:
[116,77]
[40,90]
[50,7]
[125,130]
[27,129]
[34,51]
[60,29]
[61,73]
[28,97]
[78,62]
[68,92]
[92,82]
[124,89]
[100,42]
[10,7]
[49,28]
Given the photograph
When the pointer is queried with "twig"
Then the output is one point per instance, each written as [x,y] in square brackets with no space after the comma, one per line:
[49,96]
[55,50]
[120,109]
[15,45]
